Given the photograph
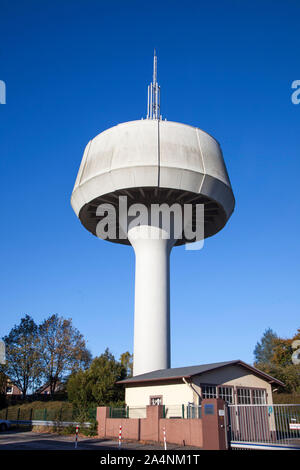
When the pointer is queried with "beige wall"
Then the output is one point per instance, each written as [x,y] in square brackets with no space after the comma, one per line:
[181,393]
[173,394]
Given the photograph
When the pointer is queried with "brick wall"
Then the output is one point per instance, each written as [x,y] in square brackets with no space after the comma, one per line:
[207,432]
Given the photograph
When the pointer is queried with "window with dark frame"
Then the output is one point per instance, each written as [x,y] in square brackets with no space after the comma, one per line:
[155,401]
[243,396]
[226,393]
[259,396]
[209,391]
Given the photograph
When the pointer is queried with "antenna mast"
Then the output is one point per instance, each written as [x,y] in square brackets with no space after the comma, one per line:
[153,108]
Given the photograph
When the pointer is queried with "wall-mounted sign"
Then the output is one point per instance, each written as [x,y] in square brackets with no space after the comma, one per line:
[209,409]
[294,425]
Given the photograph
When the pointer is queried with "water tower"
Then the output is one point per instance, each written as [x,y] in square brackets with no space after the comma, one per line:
[152,162]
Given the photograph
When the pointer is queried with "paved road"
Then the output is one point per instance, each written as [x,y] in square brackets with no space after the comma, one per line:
[14,440]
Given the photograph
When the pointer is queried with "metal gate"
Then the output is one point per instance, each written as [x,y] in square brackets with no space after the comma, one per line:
[264,427]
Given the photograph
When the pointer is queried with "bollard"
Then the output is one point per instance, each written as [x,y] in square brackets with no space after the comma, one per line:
[120,437]
[165,440]
[76,436]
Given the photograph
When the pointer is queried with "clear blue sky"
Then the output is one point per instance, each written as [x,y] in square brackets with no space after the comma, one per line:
[73,69]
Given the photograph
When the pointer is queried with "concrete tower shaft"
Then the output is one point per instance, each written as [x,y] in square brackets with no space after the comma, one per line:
[152,299]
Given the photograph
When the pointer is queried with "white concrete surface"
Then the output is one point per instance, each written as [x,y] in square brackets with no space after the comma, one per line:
[152,299]
[152,153]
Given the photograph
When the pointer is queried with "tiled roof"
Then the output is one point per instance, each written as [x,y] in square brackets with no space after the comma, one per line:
[187,372]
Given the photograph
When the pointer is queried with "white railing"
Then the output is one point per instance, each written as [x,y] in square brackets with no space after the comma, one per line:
[36,422]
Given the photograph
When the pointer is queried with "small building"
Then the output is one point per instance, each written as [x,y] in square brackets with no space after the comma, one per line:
[234,381]
[46,390]
[12,389]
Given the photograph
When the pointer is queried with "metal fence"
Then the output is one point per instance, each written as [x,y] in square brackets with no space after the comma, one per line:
[193,411]
[188,411]
[118,412]
[64,414]
[264,426]
[173,411]
[137,412]
[128,412]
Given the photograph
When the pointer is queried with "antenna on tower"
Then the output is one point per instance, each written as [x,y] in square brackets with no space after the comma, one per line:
[153,108]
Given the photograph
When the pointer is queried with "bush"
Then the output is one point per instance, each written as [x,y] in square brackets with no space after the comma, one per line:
[91,431]
[97,385]
[65,431]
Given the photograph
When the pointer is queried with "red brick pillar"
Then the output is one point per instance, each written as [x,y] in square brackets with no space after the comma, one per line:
[213,424]
[102,415]
[150,425]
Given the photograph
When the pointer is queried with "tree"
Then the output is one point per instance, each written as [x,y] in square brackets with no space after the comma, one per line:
[289,375]
[264,350]
[274,356]
[103,374]
[126,360]
[22,356]
[62,350]
[79,392]
[283,350]
[97,385]
[3,382]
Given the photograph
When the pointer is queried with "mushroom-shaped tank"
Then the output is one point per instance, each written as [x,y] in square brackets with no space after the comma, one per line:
[153,161]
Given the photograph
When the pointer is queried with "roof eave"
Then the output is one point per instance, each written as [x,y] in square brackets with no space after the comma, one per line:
[157,379]
[269,378]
